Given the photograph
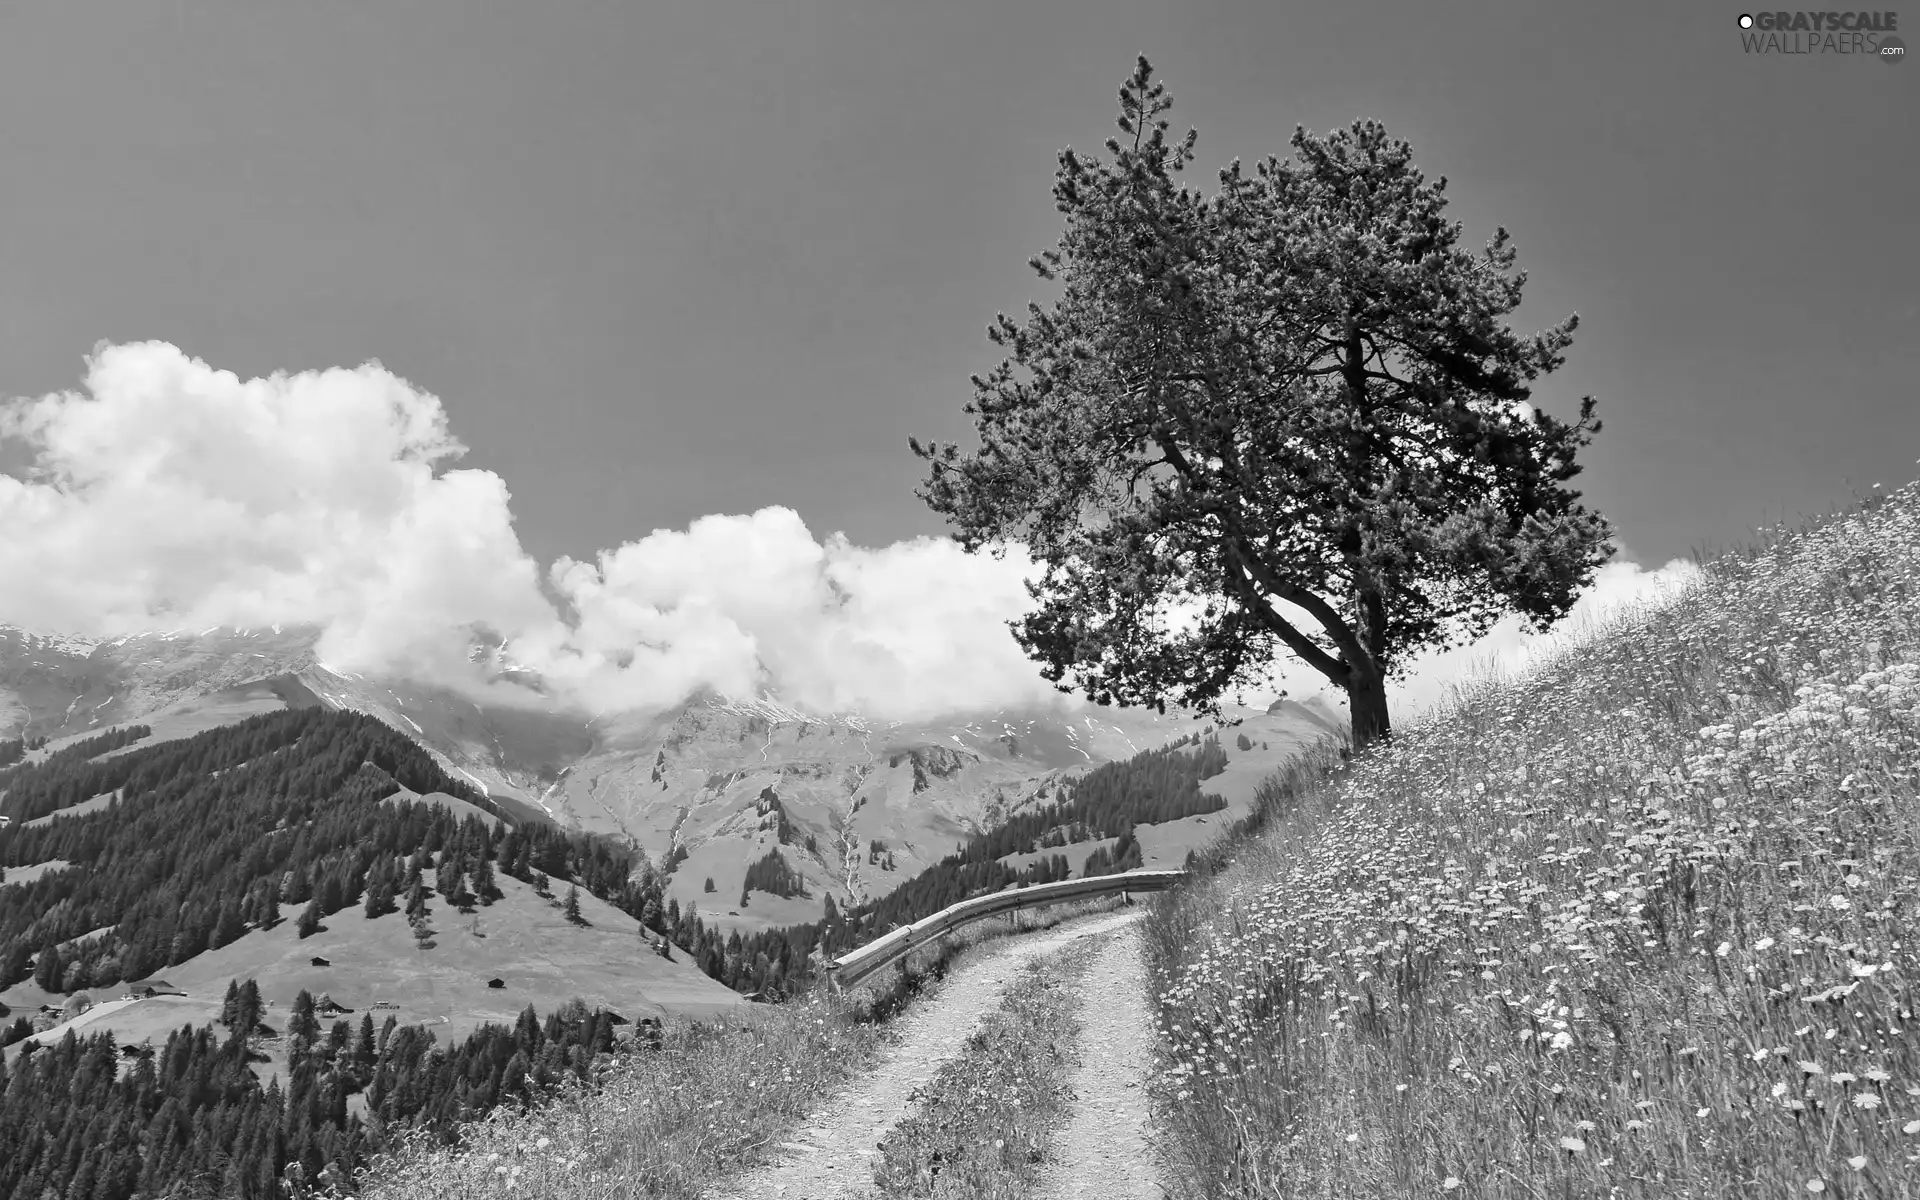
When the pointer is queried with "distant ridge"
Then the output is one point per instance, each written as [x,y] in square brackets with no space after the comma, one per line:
[1316,710]
[864,801]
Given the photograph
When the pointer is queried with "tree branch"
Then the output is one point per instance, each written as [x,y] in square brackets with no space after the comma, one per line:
[1298,642]
[1343,636]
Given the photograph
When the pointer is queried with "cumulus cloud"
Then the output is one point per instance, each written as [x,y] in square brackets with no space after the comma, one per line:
[168,494]
[1618,587]
[1510,647]
[912,629]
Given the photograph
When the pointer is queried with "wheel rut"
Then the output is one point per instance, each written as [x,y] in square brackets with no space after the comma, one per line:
[832,1157]
[1105,1150]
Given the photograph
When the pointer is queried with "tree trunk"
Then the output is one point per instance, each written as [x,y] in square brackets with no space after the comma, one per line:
[1367,703]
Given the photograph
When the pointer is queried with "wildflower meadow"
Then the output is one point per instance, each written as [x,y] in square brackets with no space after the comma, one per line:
[1638,922]
[665,1121]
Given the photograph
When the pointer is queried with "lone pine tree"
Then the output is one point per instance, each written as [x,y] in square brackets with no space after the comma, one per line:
[1285,416]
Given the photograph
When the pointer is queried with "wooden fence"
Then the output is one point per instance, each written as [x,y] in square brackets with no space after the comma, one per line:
[856,965]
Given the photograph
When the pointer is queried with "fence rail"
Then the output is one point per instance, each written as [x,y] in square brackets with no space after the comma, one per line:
[856,965]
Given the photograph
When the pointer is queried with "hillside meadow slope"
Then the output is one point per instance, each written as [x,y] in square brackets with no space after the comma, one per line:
[1639,923]
[522,939]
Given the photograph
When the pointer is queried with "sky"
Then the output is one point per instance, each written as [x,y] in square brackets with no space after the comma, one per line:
[665,264]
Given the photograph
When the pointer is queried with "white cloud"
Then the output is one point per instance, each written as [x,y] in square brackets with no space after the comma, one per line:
[168,494]
[1509,646]
[911,630]
[172,494]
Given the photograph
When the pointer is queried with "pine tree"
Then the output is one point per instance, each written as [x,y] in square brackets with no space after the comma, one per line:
[47,970]
[485,886]
[249,1007]
[15,964]
[1298,395]
[573,906]
[457,893]
[302,1024]
[379,900]
[1100,862]
[229,926]
[309,918]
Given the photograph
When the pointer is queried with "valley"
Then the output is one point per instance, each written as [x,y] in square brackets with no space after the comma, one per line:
[708,786]
[399,857]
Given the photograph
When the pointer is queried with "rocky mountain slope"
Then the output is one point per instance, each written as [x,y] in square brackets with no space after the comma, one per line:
[854,806]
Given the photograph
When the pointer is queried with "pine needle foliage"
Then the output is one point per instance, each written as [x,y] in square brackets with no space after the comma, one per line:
[1284,417]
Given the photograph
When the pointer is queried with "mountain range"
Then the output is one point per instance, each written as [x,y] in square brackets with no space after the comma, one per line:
[211,841]
[705,787]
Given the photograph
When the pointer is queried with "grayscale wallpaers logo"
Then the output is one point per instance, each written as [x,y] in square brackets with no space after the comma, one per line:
[1866,34]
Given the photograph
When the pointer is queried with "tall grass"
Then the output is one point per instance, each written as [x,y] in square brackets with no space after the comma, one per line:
[711,1100]
[1639,923]
[982,1128]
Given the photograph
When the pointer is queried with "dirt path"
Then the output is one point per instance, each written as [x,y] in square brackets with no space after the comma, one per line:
[1103,1151]
[832,1160]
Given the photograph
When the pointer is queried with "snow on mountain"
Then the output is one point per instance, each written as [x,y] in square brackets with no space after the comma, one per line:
[711,783]
[43,641]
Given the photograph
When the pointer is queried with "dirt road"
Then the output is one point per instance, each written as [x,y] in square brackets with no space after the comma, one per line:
[1104,1150]
[832,1159]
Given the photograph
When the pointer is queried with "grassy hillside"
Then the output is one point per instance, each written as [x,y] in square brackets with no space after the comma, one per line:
[521,938]
[187,872]
[690,786]
[1110,810]
[298,854]
[682,1118]
[1166,844]
[1638,924]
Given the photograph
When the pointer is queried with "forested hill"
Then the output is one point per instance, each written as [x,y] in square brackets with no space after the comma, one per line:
[185,847]
[90,1117]
[1151,787]
[207,838]
[1108,801]
[75,773]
